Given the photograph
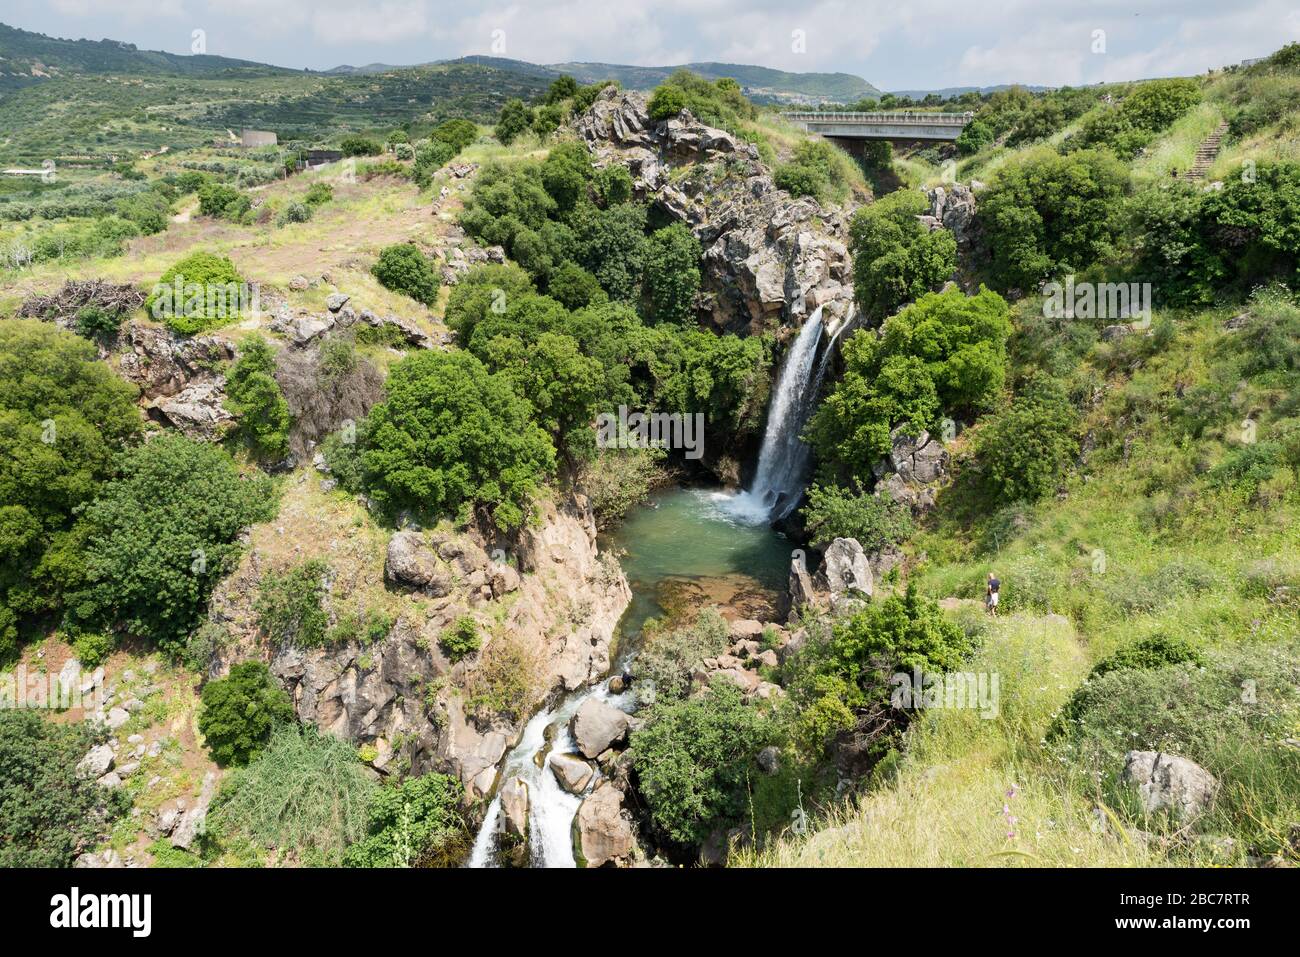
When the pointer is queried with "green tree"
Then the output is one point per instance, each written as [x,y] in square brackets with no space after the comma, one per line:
[449,435]
[160,535]
[237,713]
[515,118]
[48,813]
[357,145]
[666,102]
[974,137]
[946,351]
[564,87]
[1051,215]
[672,273]
[876,521]
[575,287]
[63,418]
[693,759]
[402,268]
[459,133]
[1024,451]
[256,398]
[895,259]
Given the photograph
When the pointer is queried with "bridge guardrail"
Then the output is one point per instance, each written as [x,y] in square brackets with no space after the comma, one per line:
[904,118]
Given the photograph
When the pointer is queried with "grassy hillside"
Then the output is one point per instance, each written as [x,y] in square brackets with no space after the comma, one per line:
[1174,524]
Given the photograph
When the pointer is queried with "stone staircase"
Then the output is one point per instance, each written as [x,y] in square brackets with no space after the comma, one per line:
[1205,154]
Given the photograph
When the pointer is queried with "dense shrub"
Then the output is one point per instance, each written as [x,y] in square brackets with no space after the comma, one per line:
[947,351]
[670,657]
[416,822]
[845,670]
[403,268]
[1051,215]
[307,798]
[431,157]
[318,194]
[617,480]
[876,521]
[514,119]
[63,416]
[289,604]
[974,137]
[817,169]
[93,647]
[1025,450]
[895,259]
[238,712]
[48,813]
[672,273]
[360,146]
[693,758]
[666,102]
[1151,107]
[212,294]
[255,397]
[460,640]
[449,435]
[160,535]
[219,199]
[575,287]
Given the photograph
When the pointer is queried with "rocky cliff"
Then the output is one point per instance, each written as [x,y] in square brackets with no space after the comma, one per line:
[770,258]
[545,604]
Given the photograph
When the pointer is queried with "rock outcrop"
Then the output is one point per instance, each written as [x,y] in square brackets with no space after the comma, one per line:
[847,574]
[573,773]
[565,601]
[1168,782]
[602,832]
[769,258]
[952,208]
[913,470]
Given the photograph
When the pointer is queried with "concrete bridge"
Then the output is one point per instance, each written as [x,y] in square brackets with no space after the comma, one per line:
[900,126]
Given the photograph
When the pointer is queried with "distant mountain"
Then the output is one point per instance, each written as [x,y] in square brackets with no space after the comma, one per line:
[761,83]
[27,58]
[949,91]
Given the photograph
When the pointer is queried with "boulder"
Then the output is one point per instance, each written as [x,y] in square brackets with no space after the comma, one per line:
[769,759]
[846,569]
[192,821]
[198,410]
[573,773]
[409,561]
[514,808]
[802,593]
[336,301]
[1166,781]
[602,833]
[746,628]
[596,726]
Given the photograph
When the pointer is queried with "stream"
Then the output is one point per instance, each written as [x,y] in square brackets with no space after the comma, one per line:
[684,550]
[687,548]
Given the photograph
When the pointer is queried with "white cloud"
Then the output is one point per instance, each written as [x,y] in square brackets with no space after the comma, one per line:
[908,44]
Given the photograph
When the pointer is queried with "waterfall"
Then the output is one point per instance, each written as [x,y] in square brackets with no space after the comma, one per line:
[551,809]
[783,458]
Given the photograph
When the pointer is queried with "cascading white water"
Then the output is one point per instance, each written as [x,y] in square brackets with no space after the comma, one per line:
[551,809]
[783,457]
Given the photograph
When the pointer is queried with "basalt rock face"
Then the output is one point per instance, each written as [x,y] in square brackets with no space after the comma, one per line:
[402,696]
[176,375]
[769,258]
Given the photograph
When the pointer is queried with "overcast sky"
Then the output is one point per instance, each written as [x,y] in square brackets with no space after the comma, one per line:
[894,44]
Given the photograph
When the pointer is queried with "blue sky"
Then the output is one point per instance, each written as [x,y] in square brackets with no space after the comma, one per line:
[895,45]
